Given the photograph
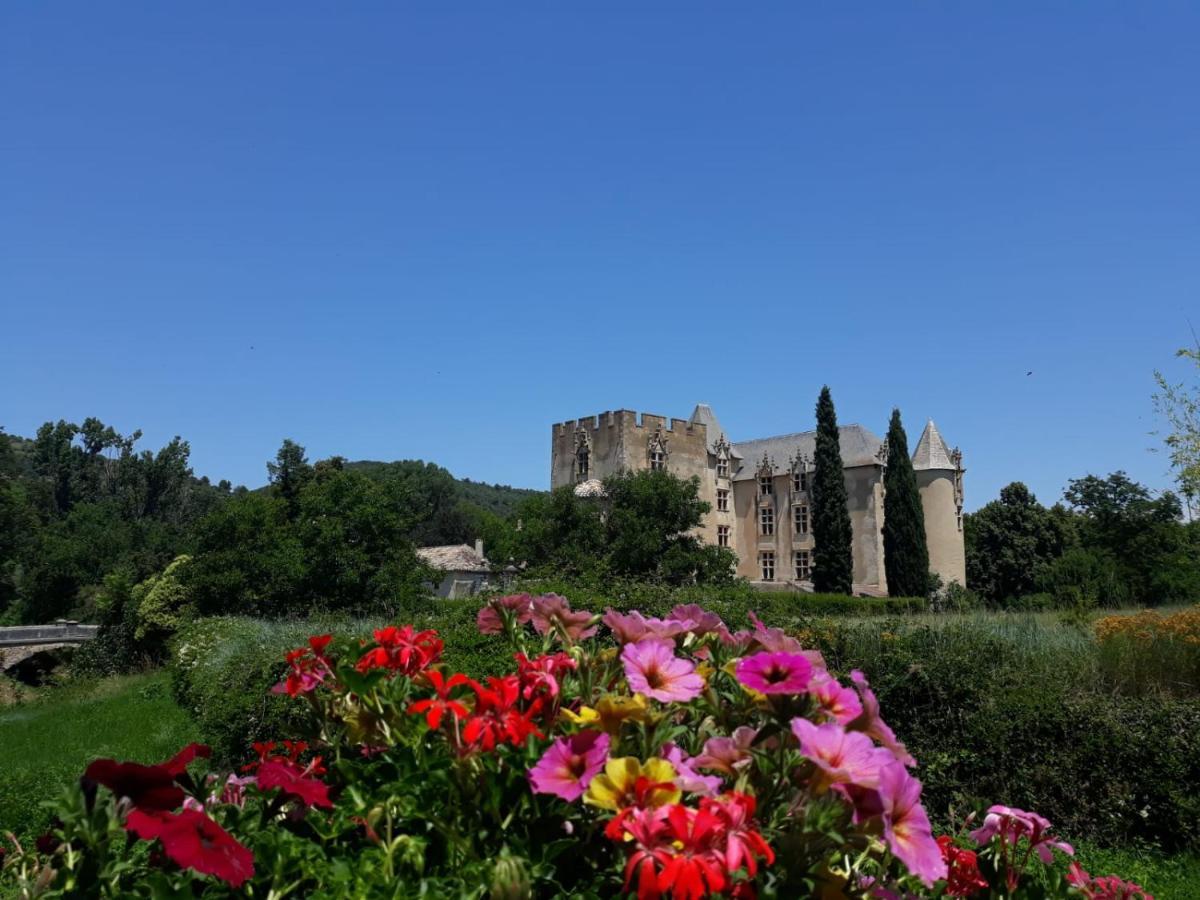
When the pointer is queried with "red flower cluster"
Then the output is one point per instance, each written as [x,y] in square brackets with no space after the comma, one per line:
[542,674]
[962,869]
[403,651]
[693,851]
[437,706]
[498,717]
[296,780]
[307,667]
[1104,887]
[192,840]
[189,838]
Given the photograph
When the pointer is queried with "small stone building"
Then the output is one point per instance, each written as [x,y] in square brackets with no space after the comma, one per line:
[759,489]
[465,570]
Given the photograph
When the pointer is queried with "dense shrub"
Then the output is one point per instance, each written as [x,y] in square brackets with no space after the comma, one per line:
[1023,710]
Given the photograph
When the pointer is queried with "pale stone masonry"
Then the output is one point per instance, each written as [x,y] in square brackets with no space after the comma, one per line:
[759,490]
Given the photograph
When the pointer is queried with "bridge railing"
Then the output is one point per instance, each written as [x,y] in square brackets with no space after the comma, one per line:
[26,635]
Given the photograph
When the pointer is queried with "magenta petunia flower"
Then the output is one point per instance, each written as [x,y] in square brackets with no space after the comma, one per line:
[569,765]
[838,702]
[842,757]
[1012,824]
[686,777]
[653,669]
[491,617]
[631,627]
[870,723]
[553,614]
[906,826]
[728,754]
[775,673]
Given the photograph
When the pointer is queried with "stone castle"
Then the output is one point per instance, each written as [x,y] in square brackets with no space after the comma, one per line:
[759,489]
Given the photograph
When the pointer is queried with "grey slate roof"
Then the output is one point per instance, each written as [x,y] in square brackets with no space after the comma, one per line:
[859,448]
[703,414]
[454,558]
[932,452]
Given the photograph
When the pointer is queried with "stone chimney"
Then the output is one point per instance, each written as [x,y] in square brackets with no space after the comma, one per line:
[479,547]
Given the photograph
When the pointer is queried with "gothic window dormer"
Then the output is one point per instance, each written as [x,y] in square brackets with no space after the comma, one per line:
[766,477]
[801,471]
[657,451]
[583,456]
[722,448]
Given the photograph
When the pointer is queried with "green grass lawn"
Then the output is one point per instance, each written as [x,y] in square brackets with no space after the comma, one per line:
[48,742]
[1173,877]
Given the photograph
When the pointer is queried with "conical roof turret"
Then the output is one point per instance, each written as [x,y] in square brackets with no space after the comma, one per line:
[932,451]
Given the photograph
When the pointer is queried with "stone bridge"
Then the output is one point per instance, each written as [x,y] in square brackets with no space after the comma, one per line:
[22,642]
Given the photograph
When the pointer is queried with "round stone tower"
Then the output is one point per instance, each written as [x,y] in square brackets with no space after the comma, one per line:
[940,481]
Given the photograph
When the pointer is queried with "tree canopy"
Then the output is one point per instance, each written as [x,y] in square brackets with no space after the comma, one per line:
[833,559]
[905,551]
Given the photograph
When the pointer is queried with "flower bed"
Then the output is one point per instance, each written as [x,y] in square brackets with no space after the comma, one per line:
[658,756]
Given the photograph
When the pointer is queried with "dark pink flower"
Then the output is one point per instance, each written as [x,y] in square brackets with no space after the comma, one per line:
[839,703]
[569,765]
[775,673]
[686,777]
[192,840]
[1012,824]
[491,617]
[871,724]
[842,757]
[697,620]
[653,669]
[906,826]
[728,754]
[553,614]
[631,627]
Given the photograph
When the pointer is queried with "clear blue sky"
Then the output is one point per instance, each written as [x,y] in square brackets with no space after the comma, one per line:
[393,231]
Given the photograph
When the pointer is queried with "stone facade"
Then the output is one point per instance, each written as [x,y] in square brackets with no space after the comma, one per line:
[759,489]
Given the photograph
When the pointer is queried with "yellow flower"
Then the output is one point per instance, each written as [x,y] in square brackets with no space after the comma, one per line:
[617,787]
[611,711]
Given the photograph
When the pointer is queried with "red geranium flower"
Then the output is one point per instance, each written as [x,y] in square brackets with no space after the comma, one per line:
[294,780]
[542,673]
[963,877]
[194,841]
[308,667]
[403,650]
[496,718]
[435,707]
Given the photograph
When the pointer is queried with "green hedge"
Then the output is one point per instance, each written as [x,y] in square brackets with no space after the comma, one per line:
[1009,709]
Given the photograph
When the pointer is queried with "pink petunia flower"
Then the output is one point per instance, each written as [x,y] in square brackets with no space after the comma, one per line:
[775,673]
[906,826]
[552,613]
[653,669]
[687,778]
[842,757]
[570,764]
[871,724]
[631,627]
[698,621]
[1012,824]
[491,617]
[838,702]
[728,754]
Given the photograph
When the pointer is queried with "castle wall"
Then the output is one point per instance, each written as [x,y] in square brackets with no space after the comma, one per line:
[865,503]
[620,441]
[947,553]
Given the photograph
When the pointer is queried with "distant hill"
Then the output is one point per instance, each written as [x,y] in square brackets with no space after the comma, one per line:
[499,499]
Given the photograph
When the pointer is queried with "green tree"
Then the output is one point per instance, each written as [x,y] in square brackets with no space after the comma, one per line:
[1143,535]
[905,552]
[164,603]
[1008,539]
[833,560]
[288,474]
[1179,404]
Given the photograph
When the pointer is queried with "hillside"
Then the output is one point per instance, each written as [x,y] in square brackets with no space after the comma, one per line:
[499,499]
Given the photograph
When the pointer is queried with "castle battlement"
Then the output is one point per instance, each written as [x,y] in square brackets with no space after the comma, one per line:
[629,420]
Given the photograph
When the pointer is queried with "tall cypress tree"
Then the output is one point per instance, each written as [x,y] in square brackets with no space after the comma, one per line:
[833,558]
[905,552]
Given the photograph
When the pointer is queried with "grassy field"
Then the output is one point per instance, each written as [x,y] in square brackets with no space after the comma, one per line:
[48,741]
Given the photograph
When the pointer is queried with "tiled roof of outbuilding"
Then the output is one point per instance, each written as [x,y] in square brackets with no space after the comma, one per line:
[454,558]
